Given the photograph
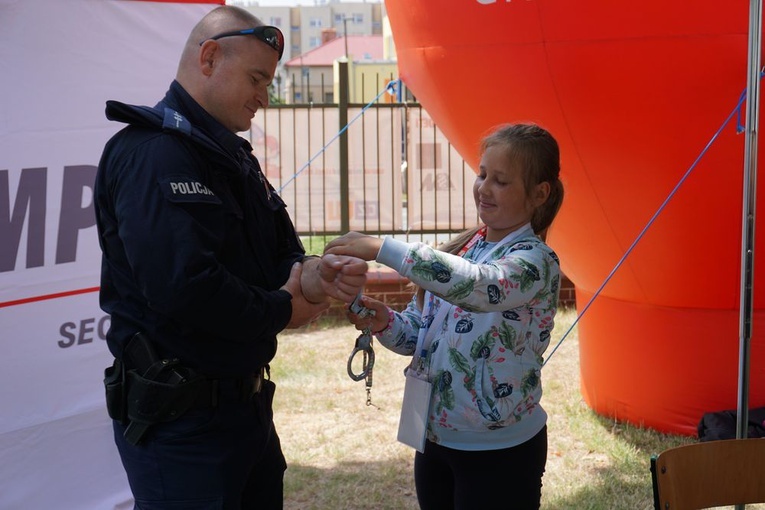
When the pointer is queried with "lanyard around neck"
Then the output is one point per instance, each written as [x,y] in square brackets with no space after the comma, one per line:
[481,235]
[478,236]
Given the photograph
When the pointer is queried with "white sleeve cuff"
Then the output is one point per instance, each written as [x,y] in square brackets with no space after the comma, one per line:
[392,253]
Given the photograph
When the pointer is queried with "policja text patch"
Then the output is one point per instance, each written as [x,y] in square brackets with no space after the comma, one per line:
[180,188]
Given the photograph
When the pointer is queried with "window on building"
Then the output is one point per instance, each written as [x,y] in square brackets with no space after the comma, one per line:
[358,18]
[315,23]
[314,42]
[276,21]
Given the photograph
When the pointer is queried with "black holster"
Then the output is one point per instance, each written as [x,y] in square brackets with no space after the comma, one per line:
[142,389]
[116,393]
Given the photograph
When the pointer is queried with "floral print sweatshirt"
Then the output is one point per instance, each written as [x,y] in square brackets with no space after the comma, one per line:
[479,338]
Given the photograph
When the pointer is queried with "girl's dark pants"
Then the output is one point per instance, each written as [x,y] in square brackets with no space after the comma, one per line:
[510,478]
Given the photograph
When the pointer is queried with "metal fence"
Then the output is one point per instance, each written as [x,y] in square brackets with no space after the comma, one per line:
[381,168]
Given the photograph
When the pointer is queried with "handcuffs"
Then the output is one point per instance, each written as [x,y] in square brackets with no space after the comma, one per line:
[363,345]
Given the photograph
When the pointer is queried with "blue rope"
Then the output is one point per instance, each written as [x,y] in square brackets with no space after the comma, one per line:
[650,222]
[390,87]
[740,127]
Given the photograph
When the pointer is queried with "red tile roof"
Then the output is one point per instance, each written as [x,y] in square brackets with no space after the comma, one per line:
[360,47]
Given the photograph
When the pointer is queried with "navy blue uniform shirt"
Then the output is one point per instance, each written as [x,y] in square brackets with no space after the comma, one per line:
[195,244]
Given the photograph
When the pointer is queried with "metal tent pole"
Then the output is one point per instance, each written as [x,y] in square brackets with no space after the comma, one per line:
[750,188]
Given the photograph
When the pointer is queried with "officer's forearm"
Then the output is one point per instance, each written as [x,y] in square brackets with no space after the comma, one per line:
[310,280]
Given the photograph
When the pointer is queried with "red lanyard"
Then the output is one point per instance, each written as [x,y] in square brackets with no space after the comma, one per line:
[480,235]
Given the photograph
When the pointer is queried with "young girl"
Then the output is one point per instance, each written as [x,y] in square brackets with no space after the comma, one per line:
[476,330]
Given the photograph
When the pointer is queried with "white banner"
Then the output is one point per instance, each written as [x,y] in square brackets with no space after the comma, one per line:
[61,62]
[440,183]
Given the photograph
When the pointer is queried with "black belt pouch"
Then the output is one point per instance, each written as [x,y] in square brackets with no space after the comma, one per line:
[266,397]
[114,383]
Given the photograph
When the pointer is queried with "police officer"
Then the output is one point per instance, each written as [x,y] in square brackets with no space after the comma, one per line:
[202,263]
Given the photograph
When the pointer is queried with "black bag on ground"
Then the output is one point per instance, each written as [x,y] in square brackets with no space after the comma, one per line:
[722,425]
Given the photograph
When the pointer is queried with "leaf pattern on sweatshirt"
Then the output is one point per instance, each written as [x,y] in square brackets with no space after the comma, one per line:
[460,291]
[484,356]
[507,337]
[482,346]
[528,276]
[530,381]
[443,391]
[437,268]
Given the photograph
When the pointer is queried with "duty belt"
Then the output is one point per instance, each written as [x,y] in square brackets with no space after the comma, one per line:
[143,389]
[243,388]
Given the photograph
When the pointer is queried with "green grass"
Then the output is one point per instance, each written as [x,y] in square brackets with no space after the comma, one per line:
[314,245]
[343,454]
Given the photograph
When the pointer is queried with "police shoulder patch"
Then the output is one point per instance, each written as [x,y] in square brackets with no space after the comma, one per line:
[182,188]
[174,120]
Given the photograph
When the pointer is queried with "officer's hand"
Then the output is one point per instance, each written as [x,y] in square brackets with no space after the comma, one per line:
[303,311]
[355,244]
[376,322]
[342,277]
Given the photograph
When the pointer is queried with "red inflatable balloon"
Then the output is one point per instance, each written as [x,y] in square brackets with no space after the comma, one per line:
[633,92]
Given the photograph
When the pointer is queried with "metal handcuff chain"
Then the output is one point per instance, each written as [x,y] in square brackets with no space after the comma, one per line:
[364,346]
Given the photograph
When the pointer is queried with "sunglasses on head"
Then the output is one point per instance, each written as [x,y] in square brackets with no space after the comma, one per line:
[272,36]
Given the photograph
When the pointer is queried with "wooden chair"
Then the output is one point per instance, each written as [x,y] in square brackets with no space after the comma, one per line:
[709,474]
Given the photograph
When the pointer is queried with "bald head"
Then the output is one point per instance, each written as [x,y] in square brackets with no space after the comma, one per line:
[222,19]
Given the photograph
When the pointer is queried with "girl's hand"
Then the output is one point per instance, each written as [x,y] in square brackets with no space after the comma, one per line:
[355,244]
[376,322]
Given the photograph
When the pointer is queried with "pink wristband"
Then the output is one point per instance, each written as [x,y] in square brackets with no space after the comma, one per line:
[387,325]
